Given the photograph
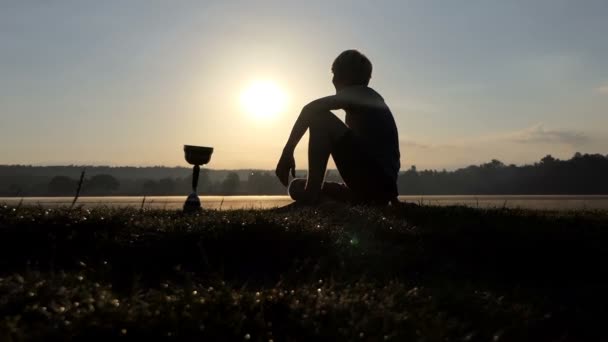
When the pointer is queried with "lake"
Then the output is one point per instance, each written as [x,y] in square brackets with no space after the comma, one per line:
[541,202]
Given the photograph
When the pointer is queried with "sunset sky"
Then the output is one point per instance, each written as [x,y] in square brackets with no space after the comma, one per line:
[130,82]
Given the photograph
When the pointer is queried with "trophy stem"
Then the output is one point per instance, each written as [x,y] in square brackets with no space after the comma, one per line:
[193,203]
[195,172]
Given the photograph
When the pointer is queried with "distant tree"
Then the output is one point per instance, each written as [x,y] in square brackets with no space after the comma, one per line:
[231,184]
[62,186]
[166,186]
[101,185]
[548,159]
[149,187]
[494,164]
[263,183]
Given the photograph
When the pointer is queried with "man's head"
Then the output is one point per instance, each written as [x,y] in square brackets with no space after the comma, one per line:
[350,68]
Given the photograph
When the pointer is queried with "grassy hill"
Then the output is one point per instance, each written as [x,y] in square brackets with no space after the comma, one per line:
[330,273]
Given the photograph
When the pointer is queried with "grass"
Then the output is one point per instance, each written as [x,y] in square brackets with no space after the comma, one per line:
[418,273]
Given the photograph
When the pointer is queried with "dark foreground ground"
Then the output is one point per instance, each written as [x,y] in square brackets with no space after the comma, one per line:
[353,274]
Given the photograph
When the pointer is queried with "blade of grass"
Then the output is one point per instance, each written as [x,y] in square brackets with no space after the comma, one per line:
[79,187]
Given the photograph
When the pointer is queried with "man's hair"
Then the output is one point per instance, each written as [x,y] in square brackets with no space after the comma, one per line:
[351,67]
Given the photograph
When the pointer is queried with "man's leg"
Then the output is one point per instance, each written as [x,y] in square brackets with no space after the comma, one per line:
[324,131]
[332,190]
[361,173]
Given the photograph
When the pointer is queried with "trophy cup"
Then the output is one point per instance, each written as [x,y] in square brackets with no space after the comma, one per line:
[197,156]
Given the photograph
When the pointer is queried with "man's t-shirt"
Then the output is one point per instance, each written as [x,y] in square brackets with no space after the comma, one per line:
[372,122]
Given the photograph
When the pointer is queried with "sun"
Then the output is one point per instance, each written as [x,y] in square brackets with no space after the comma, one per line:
[263,99]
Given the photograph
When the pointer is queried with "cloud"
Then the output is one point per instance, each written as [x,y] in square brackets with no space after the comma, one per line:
[603,89]
[536,134]
[539,134]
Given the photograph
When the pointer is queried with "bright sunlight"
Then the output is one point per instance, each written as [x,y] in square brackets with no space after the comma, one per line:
[263,99]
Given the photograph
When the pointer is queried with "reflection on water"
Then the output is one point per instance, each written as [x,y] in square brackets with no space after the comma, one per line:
[545,202]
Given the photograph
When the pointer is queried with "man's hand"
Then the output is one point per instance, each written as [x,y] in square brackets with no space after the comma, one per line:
[286,164]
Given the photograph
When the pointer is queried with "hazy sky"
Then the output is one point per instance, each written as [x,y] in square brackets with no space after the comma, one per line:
[130,82]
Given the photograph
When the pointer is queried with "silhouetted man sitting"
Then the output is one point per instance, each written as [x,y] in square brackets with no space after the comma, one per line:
[365,149]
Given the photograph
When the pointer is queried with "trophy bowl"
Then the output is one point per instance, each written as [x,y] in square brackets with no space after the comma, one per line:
[197,155]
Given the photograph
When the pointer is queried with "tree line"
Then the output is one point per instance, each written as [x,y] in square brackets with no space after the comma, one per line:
[582,174]
[110,185]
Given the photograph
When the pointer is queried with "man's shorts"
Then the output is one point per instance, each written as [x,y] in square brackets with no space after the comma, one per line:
[361,172]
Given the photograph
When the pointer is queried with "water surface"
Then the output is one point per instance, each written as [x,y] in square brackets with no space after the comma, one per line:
[543,202]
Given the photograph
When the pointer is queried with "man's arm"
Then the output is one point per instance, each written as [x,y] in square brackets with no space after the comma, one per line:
[324,104]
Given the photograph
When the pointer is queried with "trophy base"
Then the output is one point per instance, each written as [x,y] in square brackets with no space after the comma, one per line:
[193,204]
